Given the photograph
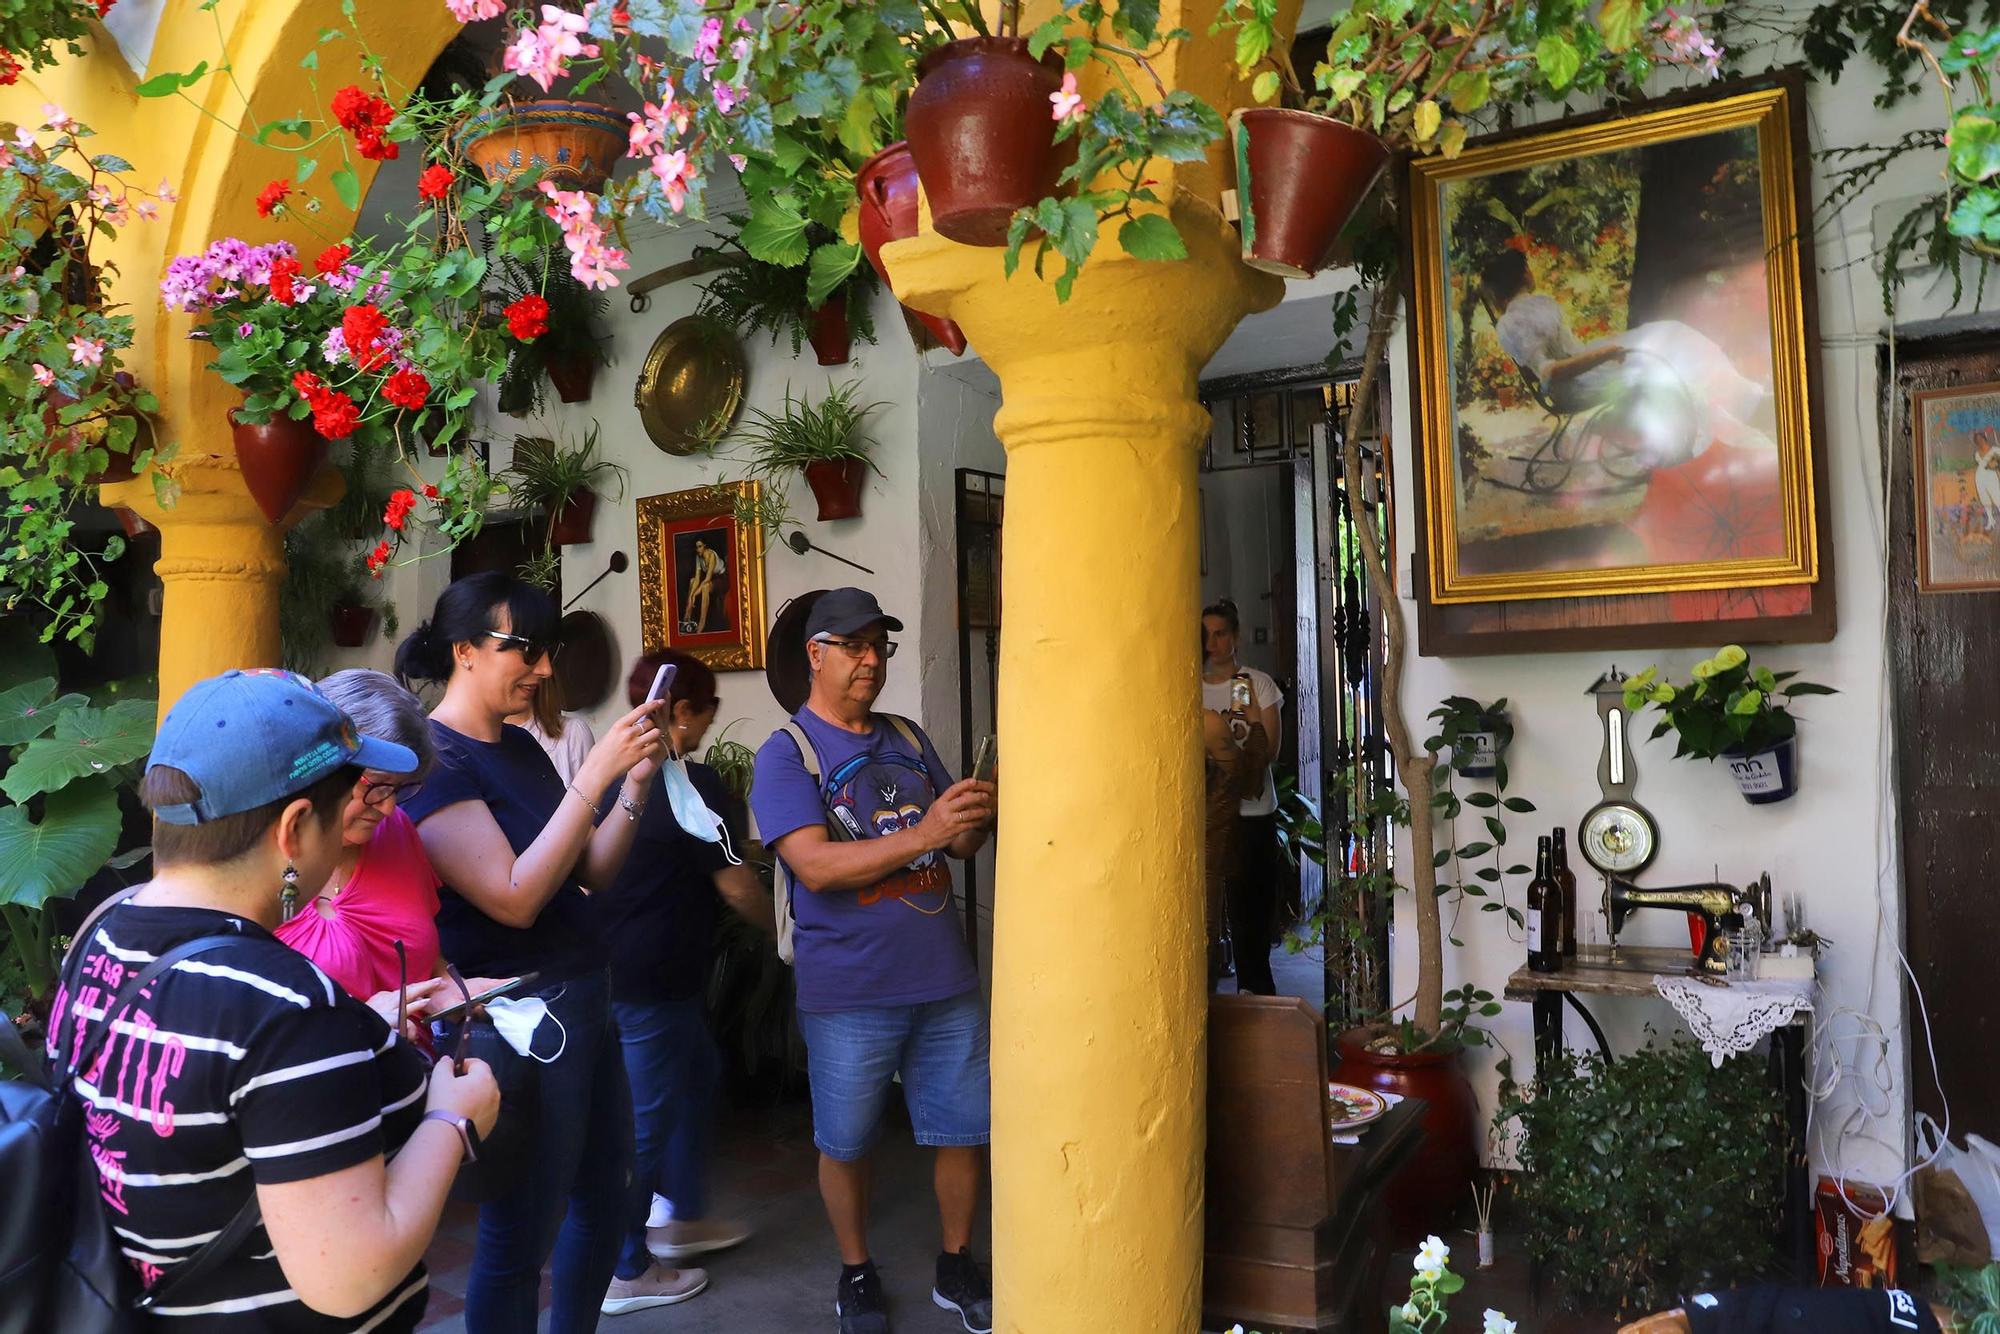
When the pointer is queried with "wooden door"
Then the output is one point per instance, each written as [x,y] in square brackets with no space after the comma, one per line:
[1944,647]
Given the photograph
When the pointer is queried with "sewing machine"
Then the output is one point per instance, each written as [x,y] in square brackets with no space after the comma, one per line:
[1711,902]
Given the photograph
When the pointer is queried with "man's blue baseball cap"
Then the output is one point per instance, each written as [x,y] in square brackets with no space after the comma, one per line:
[250,738]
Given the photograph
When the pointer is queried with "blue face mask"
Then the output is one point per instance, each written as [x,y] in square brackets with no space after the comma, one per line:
[691,812]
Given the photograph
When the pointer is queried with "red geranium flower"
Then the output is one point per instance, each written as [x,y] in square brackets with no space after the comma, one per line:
[371,145]
[335,415]
[400,505]
[305,384]
[283,271]
[272,196]
[365,116]
[430,492]
[10,68]
[528,318]
[435,183]
[104,7]
[407,389]
[331,258]
[379,557]
[360,326]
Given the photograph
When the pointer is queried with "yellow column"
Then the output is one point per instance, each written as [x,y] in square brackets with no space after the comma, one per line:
[1099,992]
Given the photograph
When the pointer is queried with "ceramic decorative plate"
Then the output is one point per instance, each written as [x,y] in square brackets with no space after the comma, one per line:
[691,387]
[1354,1107]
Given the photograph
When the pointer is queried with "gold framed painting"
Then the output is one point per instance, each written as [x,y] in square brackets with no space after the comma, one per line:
[1955,433]
[701,575]
[1613,351]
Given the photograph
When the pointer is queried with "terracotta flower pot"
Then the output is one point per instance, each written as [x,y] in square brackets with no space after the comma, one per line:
[1299,178]
[887,184]
[981,130]
[1431,1188]
[572,377]
[351,624]
[279,460]
[130,522]
[575,144]
[836,485]
[571,526]
[831,341]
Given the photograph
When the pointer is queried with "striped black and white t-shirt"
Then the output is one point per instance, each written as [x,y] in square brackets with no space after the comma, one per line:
[244,1064]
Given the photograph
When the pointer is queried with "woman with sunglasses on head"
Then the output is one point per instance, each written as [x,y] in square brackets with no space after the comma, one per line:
[240,1078]
[516,848]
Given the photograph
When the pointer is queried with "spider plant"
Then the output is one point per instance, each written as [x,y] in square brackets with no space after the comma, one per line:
[732,761]
[550,475]
[776,445]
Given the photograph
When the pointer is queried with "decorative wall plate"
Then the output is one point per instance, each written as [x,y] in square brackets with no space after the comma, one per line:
[691,387]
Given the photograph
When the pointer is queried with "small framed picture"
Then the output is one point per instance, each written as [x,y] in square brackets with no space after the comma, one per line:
[1956,434]
[701,575]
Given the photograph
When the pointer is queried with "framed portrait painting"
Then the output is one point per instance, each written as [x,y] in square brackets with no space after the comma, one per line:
[1956,435]
[1614,374]
[701,575]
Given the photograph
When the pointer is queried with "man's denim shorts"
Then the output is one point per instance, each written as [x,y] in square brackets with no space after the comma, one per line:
[940,1049]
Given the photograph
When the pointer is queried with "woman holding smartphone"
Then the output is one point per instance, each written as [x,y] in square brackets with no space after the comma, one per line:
[516,848]
[1249,700]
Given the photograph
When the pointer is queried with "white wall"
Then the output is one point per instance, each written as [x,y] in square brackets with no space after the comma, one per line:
[1247,545]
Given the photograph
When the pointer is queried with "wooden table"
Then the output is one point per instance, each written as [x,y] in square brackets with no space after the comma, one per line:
[1598,970]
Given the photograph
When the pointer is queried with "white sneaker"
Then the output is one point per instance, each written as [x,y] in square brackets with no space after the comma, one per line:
[685,1238]
[662,1213]
[658,1286]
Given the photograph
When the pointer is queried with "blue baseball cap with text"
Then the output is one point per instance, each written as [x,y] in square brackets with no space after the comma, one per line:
[249,738]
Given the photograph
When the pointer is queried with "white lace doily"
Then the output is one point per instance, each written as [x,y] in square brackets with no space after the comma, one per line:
[1734,1018]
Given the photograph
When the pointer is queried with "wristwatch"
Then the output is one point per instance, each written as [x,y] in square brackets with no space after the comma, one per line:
[468,1134]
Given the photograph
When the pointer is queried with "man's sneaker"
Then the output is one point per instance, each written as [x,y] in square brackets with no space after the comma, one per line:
[858,1302]
[685,1238]
[662,1211]
[658,1286]
[961,1287]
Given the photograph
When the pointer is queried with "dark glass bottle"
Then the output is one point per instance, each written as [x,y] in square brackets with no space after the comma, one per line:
[1566,881]
[1544,914]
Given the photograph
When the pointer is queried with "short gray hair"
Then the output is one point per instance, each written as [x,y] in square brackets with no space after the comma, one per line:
[380,707]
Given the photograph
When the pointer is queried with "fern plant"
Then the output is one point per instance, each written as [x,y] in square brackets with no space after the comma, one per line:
[575,333]
[753,297]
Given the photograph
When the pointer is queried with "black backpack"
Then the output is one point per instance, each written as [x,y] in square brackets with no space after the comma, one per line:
[60,1267]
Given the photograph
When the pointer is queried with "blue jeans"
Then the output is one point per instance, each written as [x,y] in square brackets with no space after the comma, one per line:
[673,1066]
[939,1048]
[574,1196]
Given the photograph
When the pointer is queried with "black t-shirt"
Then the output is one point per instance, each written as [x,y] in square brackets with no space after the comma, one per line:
[245,1064]
[659,915]
[519,785]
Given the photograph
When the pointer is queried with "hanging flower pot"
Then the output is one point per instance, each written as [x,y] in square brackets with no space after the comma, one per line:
[279,459]
[1767,775]
[572,377]
[1299,178]
[351,623]
[1482,751]
[130,523]
[836,485]
[575,144]
[981,130]
[571,525]
[831,340]
[887,184]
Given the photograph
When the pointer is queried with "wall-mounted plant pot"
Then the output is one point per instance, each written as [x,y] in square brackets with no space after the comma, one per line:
[575,144]
[130,522]
[836,485]
[279,460]
[1299,178]
[980,130]
[572,377]
[350,624]
[1482,752]
[832,342]
[887,184]
[571,526]
[1430,1189]
[1767,775]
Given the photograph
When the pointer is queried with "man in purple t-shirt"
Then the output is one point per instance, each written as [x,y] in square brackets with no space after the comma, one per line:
[885,984]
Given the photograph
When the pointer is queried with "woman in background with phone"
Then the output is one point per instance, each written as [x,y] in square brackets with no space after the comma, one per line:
[1249,701]
[515,847]
[660,917]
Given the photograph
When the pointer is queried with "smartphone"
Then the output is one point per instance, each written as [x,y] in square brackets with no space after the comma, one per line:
[1239,694]
[986,759]
[456,1011]
[663,681]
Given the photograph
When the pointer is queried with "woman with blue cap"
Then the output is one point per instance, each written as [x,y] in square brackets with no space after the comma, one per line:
[271,1155]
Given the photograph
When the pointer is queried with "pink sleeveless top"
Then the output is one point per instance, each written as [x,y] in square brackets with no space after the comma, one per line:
[391,896]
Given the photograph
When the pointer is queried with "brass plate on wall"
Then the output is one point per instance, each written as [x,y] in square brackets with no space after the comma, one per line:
[691,387]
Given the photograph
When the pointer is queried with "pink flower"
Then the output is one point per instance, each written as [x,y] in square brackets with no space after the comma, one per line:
[55,118]
[43,375]
[738,161]
[86,351]
[726,97]
[679,115]
[148,211]
[708,45]
[6,156]
[674,173]
[1067,102]
[167,193]
[1686,44]
[245,329]
[24,138]
[648,132]
[594,267]
[474,11]
[543,53]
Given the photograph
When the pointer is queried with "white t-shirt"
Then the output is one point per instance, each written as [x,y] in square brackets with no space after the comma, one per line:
[1265,693]
[568,751]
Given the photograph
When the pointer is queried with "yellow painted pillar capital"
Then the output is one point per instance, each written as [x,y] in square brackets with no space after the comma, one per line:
[1100,965]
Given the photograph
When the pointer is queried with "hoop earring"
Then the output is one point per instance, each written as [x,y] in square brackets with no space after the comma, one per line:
[288,896]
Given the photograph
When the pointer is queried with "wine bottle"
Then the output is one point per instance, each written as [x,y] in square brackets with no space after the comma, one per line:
[1544,921]
[1566,881]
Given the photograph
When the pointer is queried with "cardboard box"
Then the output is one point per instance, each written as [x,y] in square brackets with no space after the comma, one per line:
[1856,1238]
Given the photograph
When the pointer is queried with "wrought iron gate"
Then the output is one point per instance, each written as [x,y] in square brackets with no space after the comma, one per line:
[981,500]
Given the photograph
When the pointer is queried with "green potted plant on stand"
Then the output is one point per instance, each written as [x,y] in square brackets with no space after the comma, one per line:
[820,441]
[1734,710]
[561,481]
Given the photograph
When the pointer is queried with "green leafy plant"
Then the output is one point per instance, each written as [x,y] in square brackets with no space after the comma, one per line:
[1730,707]
[777,445]
[69,415]
[321,573]
[1973,1295]
[28,28]
[1645,1177]
[547,474]
[734,763]
[1459,719]
[752,296]
[575,327]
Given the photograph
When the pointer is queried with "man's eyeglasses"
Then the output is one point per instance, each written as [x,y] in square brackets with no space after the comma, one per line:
[858,648]
[532,650]
[385,791]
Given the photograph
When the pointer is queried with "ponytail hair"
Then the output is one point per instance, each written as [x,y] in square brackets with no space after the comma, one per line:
[465,611]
